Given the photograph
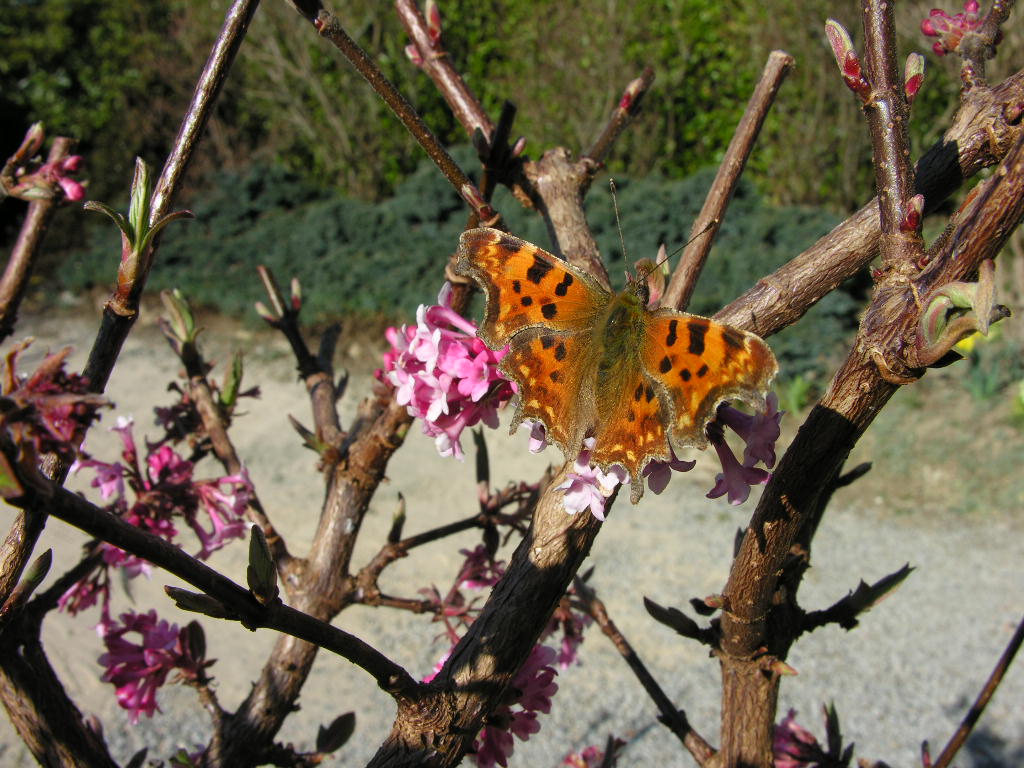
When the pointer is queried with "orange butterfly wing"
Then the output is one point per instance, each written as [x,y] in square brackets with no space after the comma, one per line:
[526,287]
[544,309]
[696,364]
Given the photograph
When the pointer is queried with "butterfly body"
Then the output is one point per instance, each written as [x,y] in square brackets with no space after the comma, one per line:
[592,363]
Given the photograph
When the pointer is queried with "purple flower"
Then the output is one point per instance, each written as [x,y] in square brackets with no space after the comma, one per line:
[480,570]
[535,684]
[51,409]
[571,622]
[87,592]
[225,501]
[658,473]
[736,479]
[538,436]
[137,670]
[793,745]
[759,431]
[444,374]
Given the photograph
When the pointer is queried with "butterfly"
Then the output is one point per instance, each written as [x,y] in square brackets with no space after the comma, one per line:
[592,363]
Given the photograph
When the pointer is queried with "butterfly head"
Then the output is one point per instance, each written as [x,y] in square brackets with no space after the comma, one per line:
[648,284]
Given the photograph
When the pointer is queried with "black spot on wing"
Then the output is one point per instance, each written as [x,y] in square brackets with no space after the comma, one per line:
[547,342]
[732,338]
[697,331]
[639,392]
[563,287]
[554,376]
[539,270]
[560,352]
[649,392]
[685,374]
[671,339]
[517,286]
[549,310]
[509,243]
[526,301]
[665,365]
[702,371]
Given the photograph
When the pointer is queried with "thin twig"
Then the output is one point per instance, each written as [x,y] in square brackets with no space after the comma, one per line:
[674,719]
[27,248]
[983,131]
[888,114]
[709,220]
[986,693]
[625,111]
[117,323]
[331,29]
[436,62]
[980,45]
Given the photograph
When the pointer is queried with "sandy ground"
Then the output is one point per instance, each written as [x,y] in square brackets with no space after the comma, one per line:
[904,675]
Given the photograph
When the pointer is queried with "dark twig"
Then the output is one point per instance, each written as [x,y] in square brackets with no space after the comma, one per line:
[974,714]
[331,29]
[236,601]
[27,248]
[118,320]
[315,370]
[709,220]
[674,719]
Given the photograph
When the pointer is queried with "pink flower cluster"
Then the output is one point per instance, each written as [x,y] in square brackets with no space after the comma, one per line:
[138,669]
[213,509]
[40,183]
[51,409]
[444,374]
[951,29]
[450,379]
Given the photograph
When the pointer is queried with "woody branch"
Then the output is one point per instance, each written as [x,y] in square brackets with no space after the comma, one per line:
[794,495]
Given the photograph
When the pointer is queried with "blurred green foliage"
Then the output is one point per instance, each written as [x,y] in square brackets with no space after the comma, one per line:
[118,74]
[386,258]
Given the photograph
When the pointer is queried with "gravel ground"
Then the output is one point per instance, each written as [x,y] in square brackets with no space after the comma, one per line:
[905,675]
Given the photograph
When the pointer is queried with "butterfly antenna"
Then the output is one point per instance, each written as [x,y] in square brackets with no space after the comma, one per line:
[683,247]
[618,220]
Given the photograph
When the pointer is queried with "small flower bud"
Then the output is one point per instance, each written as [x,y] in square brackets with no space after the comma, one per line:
[413,54]
[433,15]
[912,220]
[913,76]
[847,59]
